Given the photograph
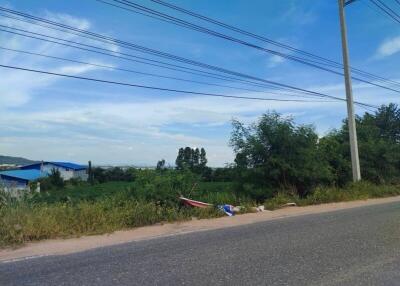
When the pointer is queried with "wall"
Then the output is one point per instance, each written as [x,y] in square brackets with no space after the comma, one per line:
[14,186]
[66,174]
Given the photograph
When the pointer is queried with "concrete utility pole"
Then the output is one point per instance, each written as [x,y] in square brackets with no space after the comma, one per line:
[355,161]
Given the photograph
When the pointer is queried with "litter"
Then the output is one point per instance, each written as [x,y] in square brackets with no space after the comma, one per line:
[193,203]
[227,209]
[260,208]
[289,205]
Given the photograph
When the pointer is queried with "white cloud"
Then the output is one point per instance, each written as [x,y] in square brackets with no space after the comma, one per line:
[148,125]
[82,24]
[76,69]
[296,13]
[275,60]
[144,130]
[18,87]
[389,47]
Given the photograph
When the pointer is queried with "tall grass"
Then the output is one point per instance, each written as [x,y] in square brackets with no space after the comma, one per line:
[355,191]
[114,206]
[23,222]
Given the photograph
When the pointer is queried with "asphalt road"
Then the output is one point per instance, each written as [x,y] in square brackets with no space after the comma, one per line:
[359,246]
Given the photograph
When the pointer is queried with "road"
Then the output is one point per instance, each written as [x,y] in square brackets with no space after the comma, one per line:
[359,246]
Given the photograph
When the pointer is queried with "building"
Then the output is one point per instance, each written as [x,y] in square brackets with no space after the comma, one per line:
[14,181]
[67,170]
[18,180]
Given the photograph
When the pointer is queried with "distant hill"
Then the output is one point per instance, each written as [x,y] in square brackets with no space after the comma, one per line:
[15,160]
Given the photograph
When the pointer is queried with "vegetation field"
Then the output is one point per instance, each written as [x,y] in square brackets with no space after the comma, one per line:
[276,162]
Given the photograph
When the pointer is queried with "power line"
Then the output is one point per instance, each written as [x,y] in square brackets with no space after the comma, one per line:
[387,10]
[176,58]
[262,38]
[132,58]
[135,47]
[162,54]
[165,55]
[313,63]
[212,67]
[153,87]
[143,73]
[394,13]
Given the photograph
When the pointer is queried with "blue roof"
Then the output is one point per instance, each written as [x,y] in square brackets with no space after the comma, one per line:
[69,165]
[28,175]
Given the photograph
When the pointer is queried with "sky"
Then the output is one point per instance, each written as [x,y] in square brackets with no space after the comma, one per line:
[44,117]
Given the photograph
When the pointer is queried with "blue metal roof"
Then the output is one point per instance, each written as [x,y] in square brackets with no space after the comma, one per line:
[28,175]
[69,165]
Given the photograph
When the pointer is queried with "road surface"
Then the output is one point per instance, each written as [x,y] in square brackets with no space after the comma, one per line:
[359,246]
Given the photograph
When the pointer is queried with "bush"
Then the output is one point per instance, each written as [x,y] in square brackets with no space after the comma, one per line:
[52,182]
[354,191]
[101,175]
[164,188]
[274,153]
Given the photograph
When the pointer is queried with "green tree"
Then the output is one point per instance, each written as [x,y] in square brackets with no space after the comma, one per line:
[188,158]
[379,147]
[203,159]
[179,162]
[161,165]
[194,160]
[53,181]
[275,153]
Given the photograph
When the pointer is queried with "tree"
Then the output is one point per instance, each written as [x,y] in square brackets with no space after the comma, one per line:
[188,158]
[192,159]
[53,181]
[161,165]
[379,146]
[275,153]
[101,175]
[179,162]
[196,159]
[203,159]
[55,178]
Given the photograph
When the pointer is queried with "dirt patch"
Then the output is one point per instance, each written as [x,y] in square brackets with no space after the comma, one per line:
[71,245]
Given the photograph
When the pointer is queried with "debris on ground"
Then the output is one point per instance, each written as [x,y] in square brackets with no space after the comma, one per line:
[227,209]
[193,203]
[289,205]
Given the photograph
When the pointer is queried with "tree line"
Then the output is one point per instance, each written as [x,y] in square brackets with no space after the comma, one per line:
[275,153]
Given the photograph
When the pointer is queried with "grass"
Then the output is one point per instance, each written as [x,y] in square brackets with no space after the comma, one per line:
[356,191]
[104,208]
[22,222]
[83,192]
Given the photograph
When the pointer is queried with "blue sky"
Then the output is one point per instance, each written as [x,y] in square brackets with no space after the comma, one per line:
[49,118]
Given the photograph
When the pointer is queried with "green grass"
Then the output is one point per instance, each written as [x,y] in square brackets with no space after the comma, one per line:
[104,208]
[83,192]
[22,222]
[356,191]
[218,193]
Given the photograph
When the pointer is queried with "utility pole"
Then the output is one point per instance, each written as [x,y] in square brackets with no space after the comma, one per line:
[355,161]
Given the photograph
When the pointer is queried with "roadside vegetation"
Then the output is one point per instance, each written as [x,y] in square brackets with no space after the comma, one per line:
[276,162]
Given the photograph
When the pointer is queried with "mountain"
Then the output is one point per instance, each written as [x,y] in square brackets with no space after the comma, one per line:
[15,160]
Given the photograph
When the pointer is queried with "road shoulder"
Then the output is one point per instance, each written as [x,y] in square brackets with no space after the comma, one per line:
[72,245]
